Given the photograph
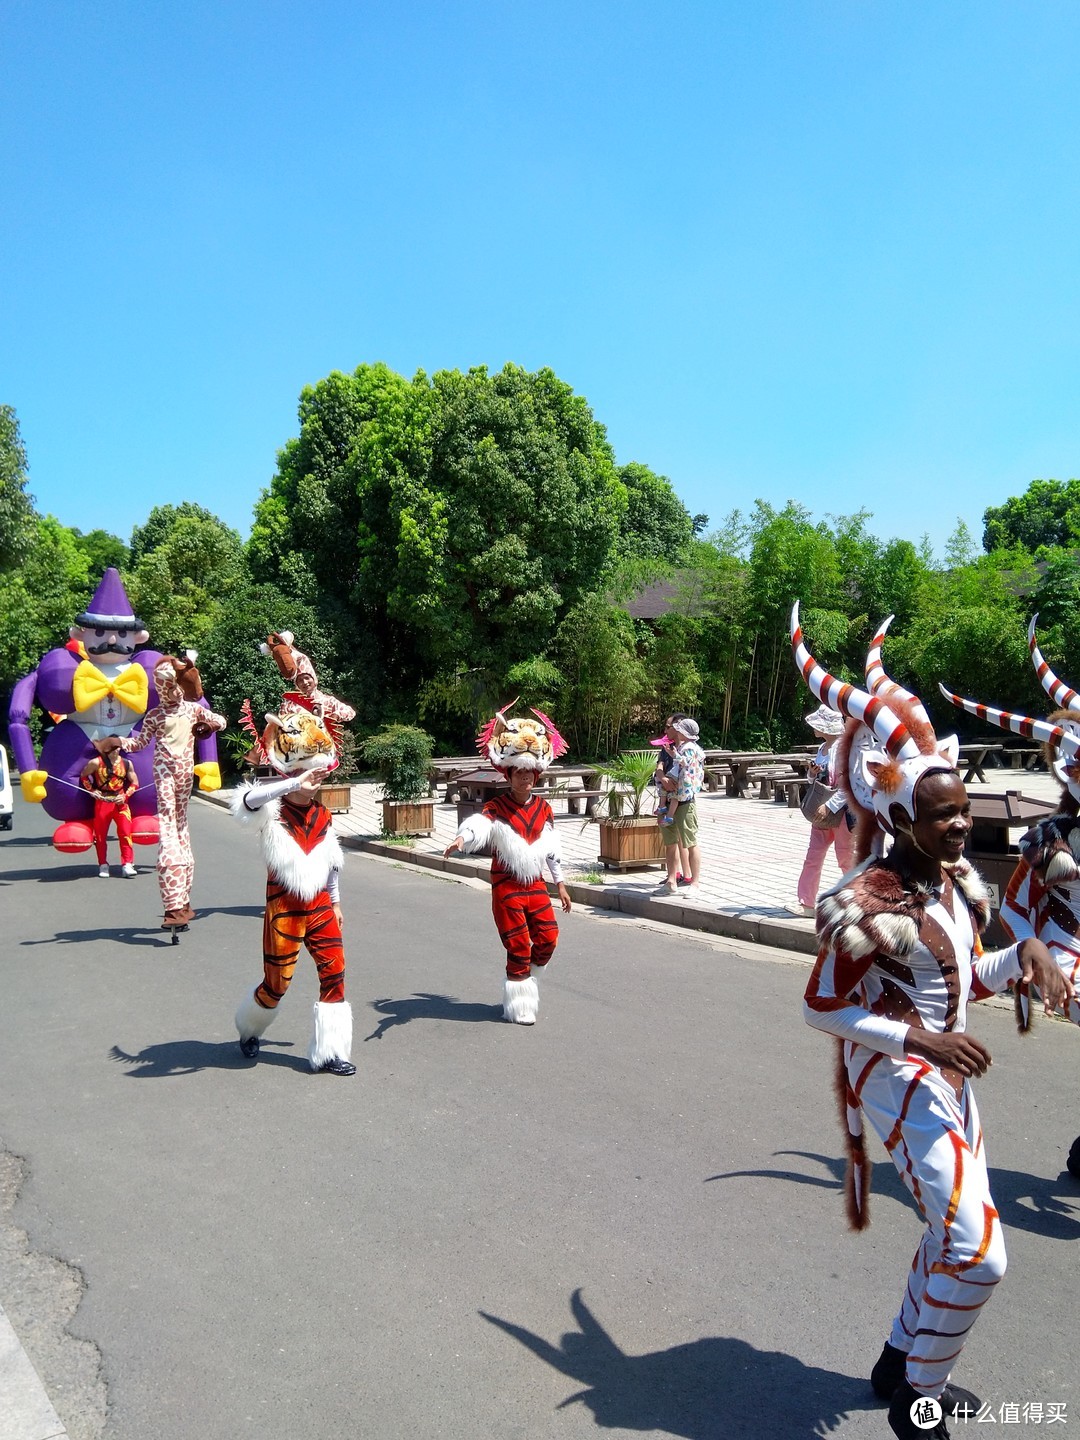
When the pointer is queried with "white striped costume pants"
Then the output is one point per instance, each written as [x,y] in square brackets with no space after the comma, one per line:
[936,1144]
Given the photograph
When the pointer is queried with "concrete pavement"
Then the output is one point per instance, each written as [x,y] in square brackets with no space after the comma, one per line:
[194,1211]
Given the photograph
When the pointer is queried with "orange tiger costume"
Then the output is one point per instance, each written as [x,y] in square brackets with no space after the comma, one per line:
[303,858]
[520,829]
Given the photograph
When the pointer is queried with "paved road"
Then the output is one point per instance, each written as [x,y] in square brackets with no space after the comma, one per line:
[625,1220]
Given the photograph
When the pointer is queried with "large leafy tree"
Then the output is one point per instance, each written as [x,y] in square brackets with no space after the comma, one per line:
[186,564]
[1048,513]
[442,527]
[16,505]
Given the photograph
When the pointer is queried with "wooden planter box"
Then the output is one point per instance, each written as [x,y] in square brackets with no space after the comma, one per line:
[409,817]
[336,798]
[630,844]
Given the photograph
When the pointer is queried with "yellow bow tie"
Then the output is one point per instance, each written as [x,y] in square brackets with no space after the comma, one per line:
[89,686]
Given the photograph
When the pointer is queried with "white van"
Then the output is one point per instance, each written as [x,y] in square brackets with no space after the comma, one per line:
[6,804]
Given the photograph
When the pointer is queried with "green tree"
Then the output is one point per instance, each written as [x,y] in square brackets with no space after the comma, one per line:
[16,504]
[231,665]
[656,525]
[102,550]
[187,563]
[1048,513]
[443,527]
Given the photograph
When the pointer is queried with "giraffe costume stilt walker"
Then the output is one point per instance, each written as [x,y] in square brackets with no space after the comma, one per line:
[899,960]
[179,719]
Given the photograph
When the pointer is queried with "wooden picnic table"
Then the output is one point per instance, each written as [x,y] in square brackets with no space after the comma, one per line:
[974,757]
[745,761]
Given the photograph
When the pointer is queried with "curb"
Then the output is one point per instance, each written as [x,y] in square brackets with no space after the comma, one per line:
[27,1411]
[759,929]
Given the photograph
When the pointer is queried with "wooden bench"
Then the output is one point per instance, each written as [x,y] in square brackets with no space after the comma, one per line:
[575,799]
[715,775]
[790,791]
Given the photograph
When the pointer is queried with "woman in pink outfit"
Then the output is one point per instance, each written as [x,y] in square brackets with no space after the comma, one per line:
[828,726]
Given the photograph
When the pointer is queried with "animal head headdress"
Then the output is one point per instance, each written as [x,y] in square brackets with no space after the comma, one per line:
[1059,733]
[170,671]
[293,664]
[889,742]
[520,743]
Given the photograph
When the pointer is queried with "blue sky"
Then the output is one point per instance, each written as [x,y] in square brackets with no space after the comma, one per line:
[825,251]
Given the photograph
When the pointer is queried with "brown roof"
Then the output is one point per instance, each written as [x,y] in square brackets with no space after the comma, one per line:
[681,595]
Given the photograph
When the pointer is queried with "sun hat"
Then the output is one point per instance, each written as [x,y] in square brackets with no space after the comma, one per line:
[689,728]
[826,721]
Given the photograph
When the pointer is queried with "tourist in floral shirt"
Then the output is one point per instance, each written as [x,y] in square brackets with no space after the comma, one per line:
[680,828]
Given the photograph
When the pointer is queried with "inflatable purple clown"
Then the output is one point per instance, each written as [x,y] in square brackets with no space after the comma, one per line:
[100,687]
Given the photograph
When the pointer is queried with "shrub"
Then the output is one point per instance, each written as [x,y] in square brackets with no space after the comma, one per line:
[401,757]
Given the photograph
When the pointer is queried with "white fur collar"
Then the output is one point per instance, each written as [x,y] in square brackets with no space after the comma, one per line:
[302,874]
[520,858]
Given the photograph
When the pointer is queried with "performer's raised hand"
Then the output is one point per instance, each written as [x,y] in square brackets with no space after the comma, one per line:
[458,843]
[1039,967]
[312,780]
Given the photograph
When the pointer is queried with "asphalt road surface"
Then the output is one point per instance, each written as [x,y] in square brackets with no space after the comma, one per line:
[625,1220]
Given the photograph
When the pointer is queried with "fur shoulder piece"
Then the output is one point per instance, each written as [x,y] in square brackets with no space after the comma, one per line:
[876,910]
[1052,849]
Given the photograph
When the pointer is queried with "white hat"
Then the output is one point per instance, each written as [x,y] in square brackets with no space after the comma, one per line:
[689,728]
[826,721]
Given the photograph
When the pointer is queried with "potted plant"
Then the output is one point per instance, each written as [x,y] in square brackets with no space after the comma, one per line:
[629,839]
[401,757]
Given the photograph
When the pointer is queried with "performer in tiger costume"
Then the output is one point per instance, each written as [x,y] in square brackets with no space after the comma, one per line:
[899,961]
[520,829]
[303,860]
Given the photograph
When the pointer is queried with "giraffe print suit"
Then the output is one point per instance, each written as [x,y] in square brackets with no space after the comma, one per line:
[172,724]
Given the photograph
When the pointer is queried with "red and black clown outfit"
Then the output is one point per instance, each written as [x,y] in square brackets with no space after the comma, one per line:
[523,842]
[111,782]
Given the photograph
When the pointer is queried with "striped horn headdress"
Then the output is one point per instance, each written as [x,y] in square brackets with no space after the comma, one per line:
[886,772]
[1059,733]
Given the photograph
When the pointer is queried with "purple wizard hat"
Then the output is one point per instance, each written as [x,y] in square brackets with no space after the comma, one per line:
[110,607]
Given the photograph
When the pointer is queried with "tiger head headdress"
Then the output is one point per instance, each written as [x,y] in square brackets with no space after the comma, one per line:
[297,741]
[520,743]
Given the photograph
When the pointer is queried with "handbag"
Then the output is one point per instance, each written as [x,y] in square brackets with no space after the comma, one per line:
[817,793]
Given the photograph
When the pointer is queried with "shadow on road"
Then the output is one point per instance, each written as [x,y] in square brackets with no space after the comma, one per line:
[249,912]
[41,840]
[421,1006]
[716,1388]
[1050,1208]
[188,1057]
[150,935]
[55,875]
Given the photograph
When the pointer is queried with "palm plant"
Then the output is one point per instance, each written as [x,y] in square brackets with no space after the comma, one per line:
[629,775]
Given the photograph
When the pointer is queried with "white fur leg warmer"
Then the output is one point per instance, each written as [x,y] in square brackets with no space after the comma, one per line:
[521,1001]
[332,1039]
[252,1018]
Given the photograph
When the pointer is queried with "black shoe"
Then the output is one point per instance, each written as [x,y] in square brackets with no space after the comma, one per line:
[336,1067]
[249,1048]
[1073,1162]
[900,1421]
[889,1371]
